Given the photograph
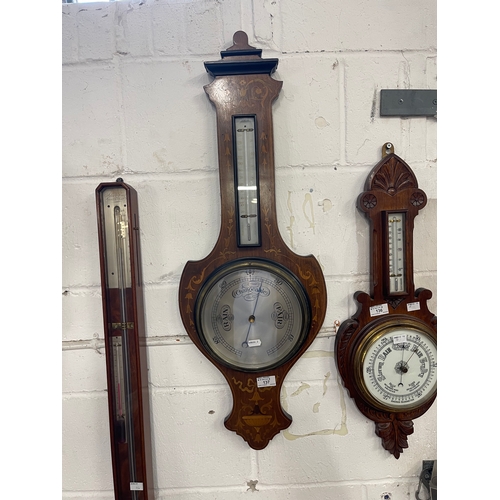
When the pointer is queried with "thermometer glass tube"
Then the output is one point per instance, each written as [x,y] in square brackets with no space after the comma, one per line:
[246,181]
[396,252]
[118,281]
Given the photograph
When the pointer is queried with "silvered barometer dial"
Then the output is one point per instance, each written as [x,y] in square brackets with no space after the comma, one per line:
[252,314]
[387,352]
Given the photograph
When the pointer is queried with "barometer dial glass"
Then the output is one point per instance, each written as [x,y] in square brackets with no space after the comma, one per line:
[399,367]
[252,315]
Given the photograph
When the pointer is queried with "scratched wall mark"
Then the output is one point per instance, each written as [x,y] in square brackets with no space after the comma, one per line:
[327,376]
[339,430]
[320,122]
[303,387]
[308,204]
[292,218]
[326,204]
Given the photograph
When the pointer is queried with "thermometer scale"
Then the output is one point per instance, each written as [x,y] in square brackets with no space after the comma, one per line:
[396,252]
[119,388]
[246,181]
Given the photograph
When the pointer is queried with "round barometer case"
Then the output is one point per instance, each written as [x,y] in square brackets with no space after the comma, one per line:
[397,364]
[252,314]
[387,352]
[252,306]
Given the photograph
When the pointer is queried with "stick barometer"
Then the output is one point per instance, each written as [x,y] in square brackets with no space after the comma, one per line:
[252,306]
[126,363]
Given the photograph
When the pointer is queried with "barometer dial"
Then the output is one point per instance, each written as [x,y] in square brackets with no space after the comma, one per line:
[252,315]
[399,367]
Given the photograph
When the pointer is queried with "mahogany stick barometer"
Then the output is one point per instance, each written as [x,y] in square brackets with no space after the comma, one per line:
[252,306]
[387,352]
[124,331]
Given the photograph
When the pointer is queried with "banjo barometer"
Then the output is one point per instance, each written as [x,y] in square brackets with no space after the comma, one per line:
[252,306]
[387,352]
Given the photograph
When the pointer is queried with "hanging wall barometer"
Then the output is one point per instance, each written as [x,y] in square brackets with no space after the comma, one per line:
[252,306]
[387,352]
[124,332]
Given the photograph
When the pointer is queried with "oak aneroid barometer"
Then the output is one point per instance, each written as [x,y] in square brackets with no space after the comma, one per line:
[387,352]
[124,331]
[252,306]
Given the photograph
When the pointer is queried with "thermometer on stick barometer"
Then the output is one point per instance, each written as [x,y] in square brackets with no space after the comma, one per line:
[126,362]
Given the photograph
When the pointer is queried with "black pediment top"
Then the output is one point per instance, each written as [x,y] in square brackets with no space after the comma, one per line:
[241,59]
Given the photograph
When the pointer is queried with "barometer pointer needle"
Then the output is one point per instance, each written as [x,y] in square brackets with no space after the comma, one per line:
[402,358]
[251,319]
[404,367]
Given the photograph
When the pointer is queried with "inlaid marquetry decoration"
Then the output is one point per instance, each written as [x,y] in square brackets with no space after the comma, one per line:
[387,352]
[252,306]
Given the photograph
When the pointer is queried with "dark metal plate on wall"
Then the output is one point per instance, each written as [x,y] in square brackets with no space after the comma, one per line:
[408,102]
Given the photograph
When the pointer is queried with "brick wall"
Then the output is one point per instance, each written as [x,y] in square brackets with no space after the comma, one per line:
[134,107]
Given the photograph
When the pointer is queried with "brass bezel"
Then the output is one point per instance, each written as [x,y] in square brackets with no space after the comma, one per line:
[371,335]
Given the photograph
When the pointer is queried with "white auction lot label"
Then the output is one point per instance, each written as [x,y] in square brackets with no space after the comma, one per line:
[379,310]
[266,381]
[413,306]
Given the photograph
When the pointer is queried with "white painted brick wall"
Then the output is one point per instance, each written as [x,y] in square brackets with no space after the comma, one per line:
[134,106]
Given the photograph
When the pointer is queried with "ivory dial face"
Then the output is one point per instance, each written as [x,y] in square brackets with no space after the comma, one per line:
[252,314]
[399,367]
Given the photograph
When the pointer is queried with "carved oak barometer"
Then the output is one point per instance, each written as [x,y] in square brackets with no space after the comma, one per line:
[126,363]
[387,352]
[252,306]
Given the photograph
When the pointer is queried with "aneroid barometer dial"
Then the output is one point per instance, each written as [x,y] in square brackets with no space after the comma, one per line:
[398,366]
[387,352]
[252,314]
[252,306]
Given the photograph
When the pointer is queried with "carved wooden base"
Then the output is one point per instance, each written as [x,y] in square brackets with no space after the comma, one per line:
[257,415]
[393,433]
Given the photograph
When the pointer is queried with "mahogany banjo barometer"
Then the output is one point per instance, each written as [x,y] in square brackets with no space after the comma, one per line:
[387,352]
[252,306]
[124,331]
